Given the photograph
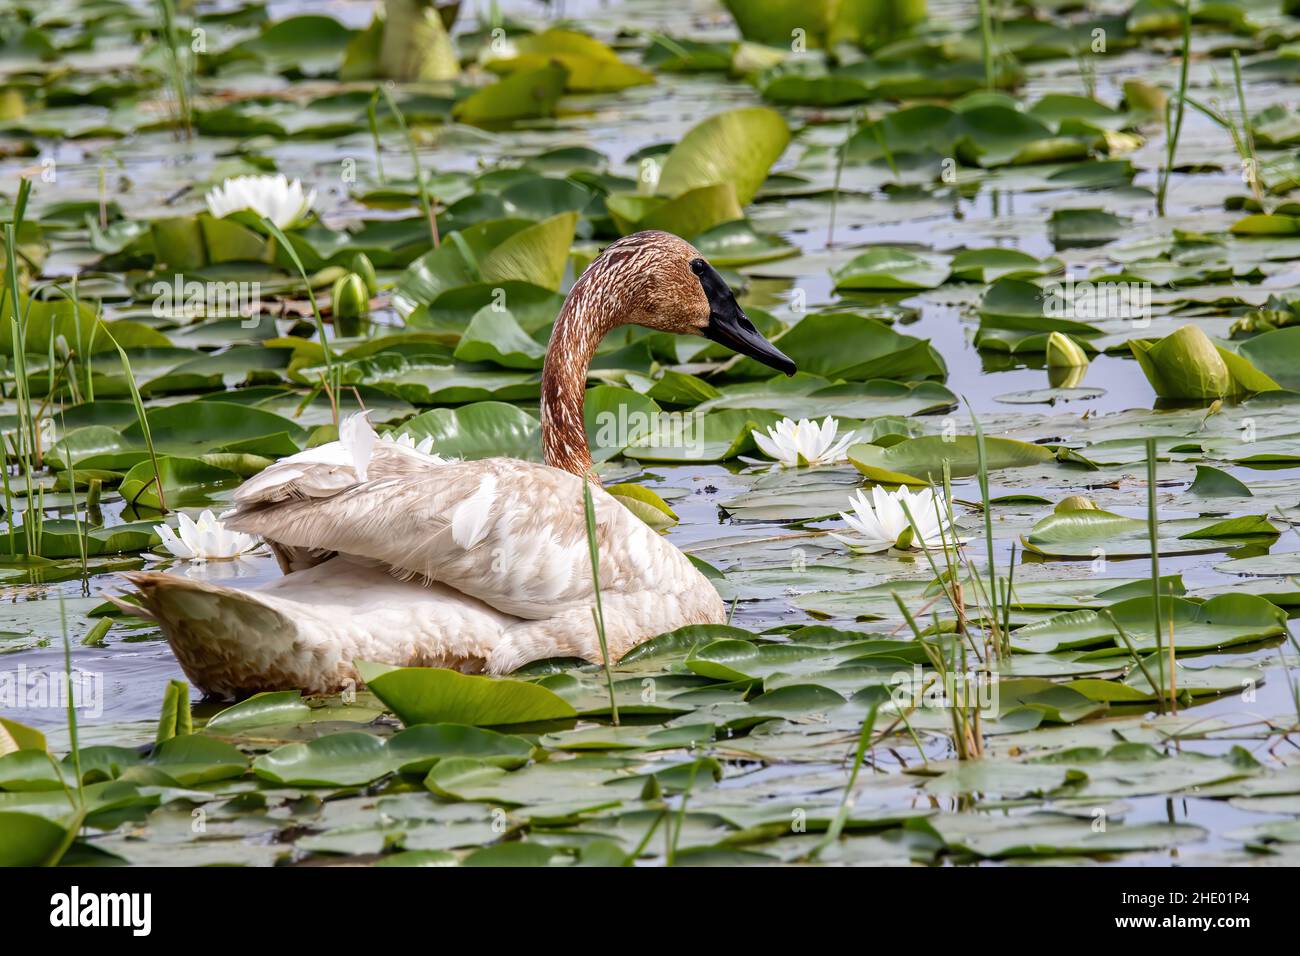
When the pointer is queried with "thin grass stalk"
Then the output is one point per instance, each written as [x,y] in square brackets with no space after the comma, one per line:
[25,442]
[420,184]
[331,384]
[664,40]
[50,388]
[840,155]
[969,719]
[83,544]
[1247,130]
[959,725]
[12,293]
[888,153]
[934,568]
[911,732]
[1217,117]
[1087,74]
[1128,642]
[951,555]
[70,835]
[981,457]
[944,667]
[598,612]
[80,350]
[177,67]
[1245,150]
[20,202]
[938,663]
[1173,670]
[103,197]
[9,496]
[985,612]
[1290,679]
[950,581]
[681,817]
[645,840]
[73,828]
[85,349]
[1171,136]
[1006,603]
[143,418]
[842,813]
[72,710]
[1153,535]
[986,41]
[372,115]
[22,429]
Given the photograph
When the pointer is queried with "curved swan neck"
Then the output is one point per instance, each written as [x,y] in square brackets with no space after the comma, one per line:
[641,279]
[588,314]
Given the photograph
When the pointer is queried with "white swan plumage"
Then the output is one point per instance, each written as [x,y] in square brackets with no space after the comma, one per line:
[395,555]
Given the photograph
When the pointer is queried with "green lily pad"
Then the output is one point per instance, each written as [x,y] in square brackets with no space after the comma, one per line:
[431,695]
[479,430]
[494,335]
[260,710]
[27,839]
[891,267]
[851,347]
[918,461]
[351,758]
[185,481]
[1219,622]
[737,147]
[195,759]
[1090,532]
[526,94]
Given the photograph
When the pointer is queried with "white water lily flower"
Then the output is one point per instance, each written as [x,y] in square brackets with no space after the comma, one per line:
[424,446]
[273,197]
[804,442]
[880,520]
[205,540]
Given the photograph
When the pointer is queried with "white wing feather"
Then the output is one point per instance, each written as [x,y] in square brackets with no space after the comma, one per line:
[510,533]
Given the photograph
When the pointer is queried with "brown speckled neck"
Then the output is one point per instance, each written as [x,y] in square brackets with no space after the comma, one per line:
[605,295]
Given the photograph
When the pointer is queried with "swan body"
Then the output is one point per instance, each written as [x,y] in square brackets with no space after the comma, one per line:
[395,555]
[481,566]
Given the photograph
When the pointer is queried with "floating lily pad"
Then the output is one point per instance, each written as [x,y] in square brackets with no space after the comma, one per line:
[1221,621]
[918,461]
[1092,532]
[430,695]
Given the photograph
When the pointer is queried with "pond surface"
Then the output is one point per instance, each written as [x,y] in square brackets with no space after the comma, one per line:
[745,744]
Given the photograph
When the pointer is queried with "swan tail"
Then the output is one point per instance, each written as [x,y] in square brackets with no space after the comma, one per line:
[232,643]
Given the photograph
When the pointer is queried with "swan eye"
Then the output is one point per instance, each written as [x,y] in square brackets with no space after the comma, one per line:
[698,266]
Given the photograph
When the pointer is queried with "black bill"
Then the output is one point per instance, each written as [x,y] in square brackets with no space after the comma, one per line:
[729,326]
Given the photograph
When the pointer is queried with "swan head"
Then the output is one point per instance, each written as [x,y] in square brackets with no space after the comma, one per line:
[652,279]
[664,283]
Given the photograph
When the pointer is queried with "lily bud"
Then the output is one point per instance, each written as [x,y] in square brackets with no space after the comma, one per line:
[1064,352]
[1075,503]
[363,267]
[350,297]
[351,304]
